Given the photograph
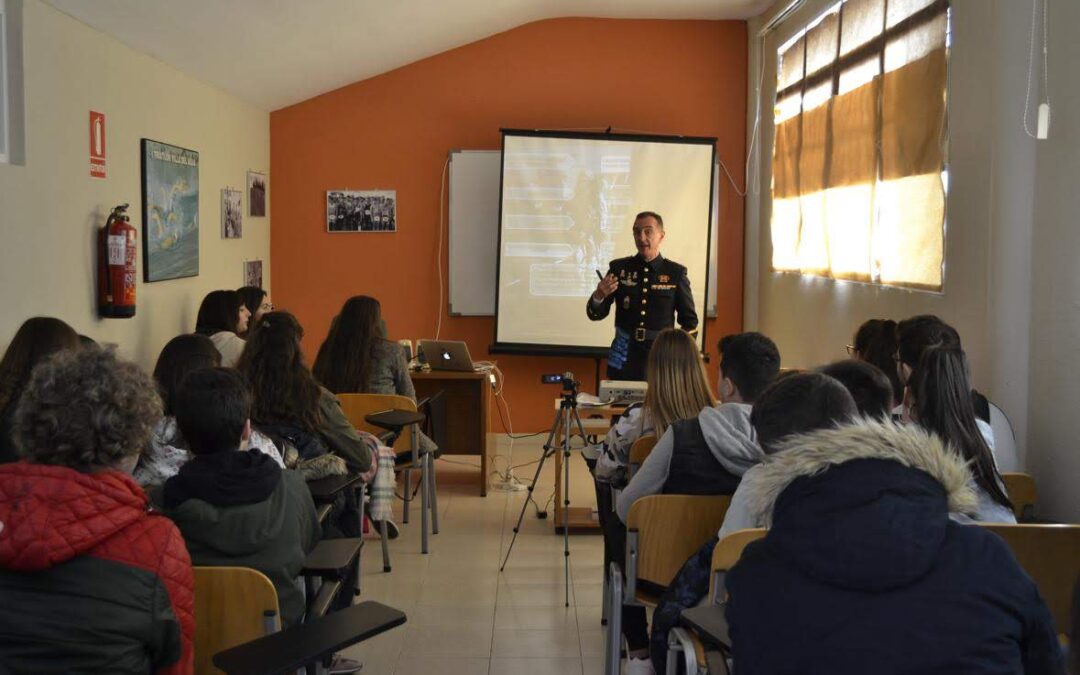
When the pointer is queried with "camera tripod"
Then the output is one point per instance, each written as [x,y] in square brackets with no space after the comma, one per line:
[566,415]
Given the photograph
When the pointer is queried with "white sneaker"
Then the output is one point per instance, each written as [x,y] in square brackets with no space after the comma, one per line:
[638,667]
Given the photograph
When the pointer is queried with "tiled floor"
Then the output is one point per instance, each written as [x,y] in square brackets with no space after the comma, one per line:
[467,618]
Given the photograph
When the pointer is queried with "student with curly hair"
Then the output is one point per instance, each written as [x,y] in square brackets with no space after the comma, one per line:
[90,578]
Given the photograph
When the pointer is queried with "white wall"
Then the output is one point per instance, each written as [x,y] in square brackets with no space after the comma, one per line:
[1053,443]
[50,207]
[1012,284]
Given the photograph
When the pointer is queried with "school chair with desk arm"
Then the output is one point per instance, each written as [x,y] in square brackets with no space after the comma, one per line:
[662,532]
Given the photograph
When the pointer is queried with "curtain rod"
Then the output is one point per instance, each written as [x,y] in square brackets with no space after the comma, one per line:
[779,18]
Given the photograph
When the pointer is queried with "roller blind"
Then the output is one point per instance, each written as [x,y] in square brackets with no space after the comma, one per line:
[858,186]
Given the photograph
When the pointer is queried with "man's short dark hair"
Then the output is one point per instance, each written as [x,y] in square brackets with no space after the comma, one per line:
[798,404]
[650,214]
[212,406]
[751,361]
[917,334]
[871,389]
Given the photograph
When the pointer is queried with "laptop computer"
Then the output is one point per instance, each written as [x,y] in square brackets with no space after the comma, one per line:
[446,355]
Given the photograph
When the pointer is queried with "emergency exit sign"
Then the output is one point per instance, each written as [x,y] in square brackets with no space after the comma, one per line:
[97,144]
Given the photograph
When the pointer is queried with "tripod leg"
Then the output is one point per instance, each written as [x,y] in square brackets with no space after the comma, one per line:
[566,501]
[548,448]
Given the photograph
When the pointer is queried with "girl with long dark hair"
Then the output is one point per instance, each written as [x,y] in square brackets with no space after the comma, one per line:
[257,301]
[36,338]
[875,343]
[940,393]
[223,318]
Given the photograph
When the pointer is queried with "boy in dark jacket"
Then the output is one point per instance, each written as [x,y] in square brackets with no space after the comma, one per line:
[237,508]
[863,571]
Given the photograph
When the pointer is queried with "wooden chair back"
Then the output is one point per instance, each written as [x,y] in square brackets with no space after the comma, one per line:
[641,448]
[230,609]
[358,406]
[670,529]
[728,551]
[1050,554]
[1022,493]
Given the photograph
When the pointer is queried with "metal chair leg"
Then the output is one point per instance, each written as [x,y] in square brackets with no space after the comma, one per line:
[425,514]
[385,536]
[434,493]
[613,644]
[679,641]
[408,495]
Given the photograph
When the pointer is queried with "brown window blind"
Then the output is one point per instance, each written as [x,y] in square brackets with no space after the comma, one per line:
[858,163]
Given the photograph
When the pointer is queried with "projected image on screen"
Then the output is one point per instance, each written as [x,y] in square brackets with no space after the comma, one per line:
[568,206]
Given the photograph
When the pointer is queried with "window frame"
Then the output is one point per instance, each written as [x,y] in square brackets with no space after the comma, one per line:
[794,28]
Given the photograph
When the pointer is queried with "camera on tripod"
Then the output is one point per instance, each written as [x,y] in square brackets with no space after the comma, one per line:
[566,380]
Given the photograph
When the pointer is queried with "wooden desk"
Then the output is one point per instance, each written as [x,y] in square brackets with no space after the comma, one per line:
[468,405]
[596,420]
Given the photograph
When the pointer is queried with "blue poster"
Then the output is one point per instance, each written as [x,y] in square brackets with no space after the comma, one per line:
[170,211]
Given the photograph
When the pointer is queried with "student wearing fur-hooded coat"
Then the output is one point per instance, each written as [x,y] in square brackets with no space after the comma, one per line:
[862,569]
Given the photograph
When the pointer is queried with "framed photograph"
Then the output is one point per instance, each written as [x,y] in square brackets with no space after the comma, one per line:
[361,211]
[170,194]
[232,224]
[253,273]
[256,184]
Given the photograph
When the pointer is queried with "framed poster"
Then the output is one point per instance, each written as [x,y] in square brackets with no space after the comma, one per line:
[170,193]
[361,211]
[232,226]
[256,194]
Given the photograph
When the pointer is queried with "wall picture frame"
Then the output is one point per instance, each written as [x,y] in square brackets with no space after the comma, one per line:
[170,201]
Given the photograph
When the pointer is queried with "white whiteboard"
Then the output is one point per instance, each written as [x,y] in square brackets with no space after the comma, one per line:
[474,233]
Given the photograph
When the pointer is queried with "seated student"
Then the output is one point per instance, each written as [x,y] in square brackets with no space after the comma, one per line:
[863,571]
[36,339]
[707,454]
[168,450]
[875,343]
[918,333]
[91,580]
[257,301]
[867,384]
[678,389]
[794,404]
[236,507]
[938,390]
[222,318]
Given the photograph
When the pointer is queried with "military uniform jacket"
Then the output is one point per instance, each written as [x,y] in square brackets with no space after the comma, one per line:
[649,296]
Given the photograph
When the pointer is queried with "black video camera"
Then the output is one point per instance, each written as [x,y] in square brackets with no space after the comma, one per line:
[566,380]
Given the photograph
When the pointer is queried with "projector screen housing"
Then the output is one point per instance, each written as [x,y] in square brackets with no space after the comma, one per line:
[567,207]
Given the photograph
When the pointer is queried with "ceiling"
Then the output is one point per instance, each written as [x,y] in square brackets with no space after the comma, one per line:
[274,53]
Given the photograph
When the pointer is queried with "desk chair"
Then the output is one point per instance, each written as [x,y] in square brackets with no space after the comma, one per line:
[1022,493]
[639,452]
[662,532]
[1050,554]
[686,642]
[357,409]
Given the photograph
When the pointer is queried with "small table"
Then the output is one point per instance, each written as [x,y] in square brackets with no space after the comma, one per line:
[596,420]
[709,623]
[468,406]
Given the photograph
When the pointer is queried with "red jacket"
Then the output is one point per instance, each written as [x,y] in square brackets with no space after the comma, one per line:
[90,578]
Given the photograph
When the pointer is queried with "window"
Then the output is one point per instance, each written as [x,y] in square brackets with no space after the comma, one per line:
[4,104]
[859,177]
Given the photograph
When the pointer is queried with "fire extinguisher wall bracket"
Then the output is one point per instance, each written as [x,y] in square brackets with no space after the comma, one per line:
[116,266]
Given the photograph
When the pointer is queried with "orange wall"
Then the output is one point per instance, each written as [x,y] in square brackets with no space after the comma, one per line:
[394,131]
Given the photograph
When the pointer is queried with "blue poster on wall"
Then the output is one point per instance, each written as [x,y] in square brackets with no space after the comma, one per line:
[170,191]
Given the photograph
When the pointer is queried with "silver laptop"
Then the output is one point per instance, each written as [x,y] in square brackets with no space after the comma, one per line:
[446,355]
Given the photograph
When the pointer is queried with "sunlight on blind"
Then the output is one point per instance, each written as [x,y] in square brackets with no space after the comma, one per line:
[859,145]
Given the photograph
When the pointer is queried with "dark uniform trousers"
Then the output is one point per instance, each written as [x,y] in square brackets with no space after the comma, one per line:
[649,297]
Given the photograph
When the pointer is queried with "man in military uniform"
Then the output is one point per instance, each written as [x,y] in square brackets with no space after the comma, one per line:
[648,291]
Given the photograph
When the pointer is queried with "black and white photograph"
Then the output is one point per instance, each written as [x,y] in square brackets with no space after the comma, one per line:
[361,211]
[231,217]
[253,273]
[256,183]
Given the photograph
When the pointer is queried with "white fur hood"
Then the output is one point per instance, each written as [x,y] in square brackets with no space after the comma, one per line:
[812,453]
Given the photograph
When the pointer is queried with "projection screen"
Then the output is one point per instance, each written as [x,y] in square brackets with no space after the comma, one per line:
[568,202]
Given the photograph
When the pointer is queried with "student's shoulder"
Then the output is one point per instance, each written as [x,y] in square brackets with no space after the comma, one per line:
[735,412]
[674,268]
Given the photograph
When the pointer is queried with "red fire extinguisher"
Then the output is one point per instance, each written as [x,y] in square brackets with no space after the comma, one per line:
[116,266]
